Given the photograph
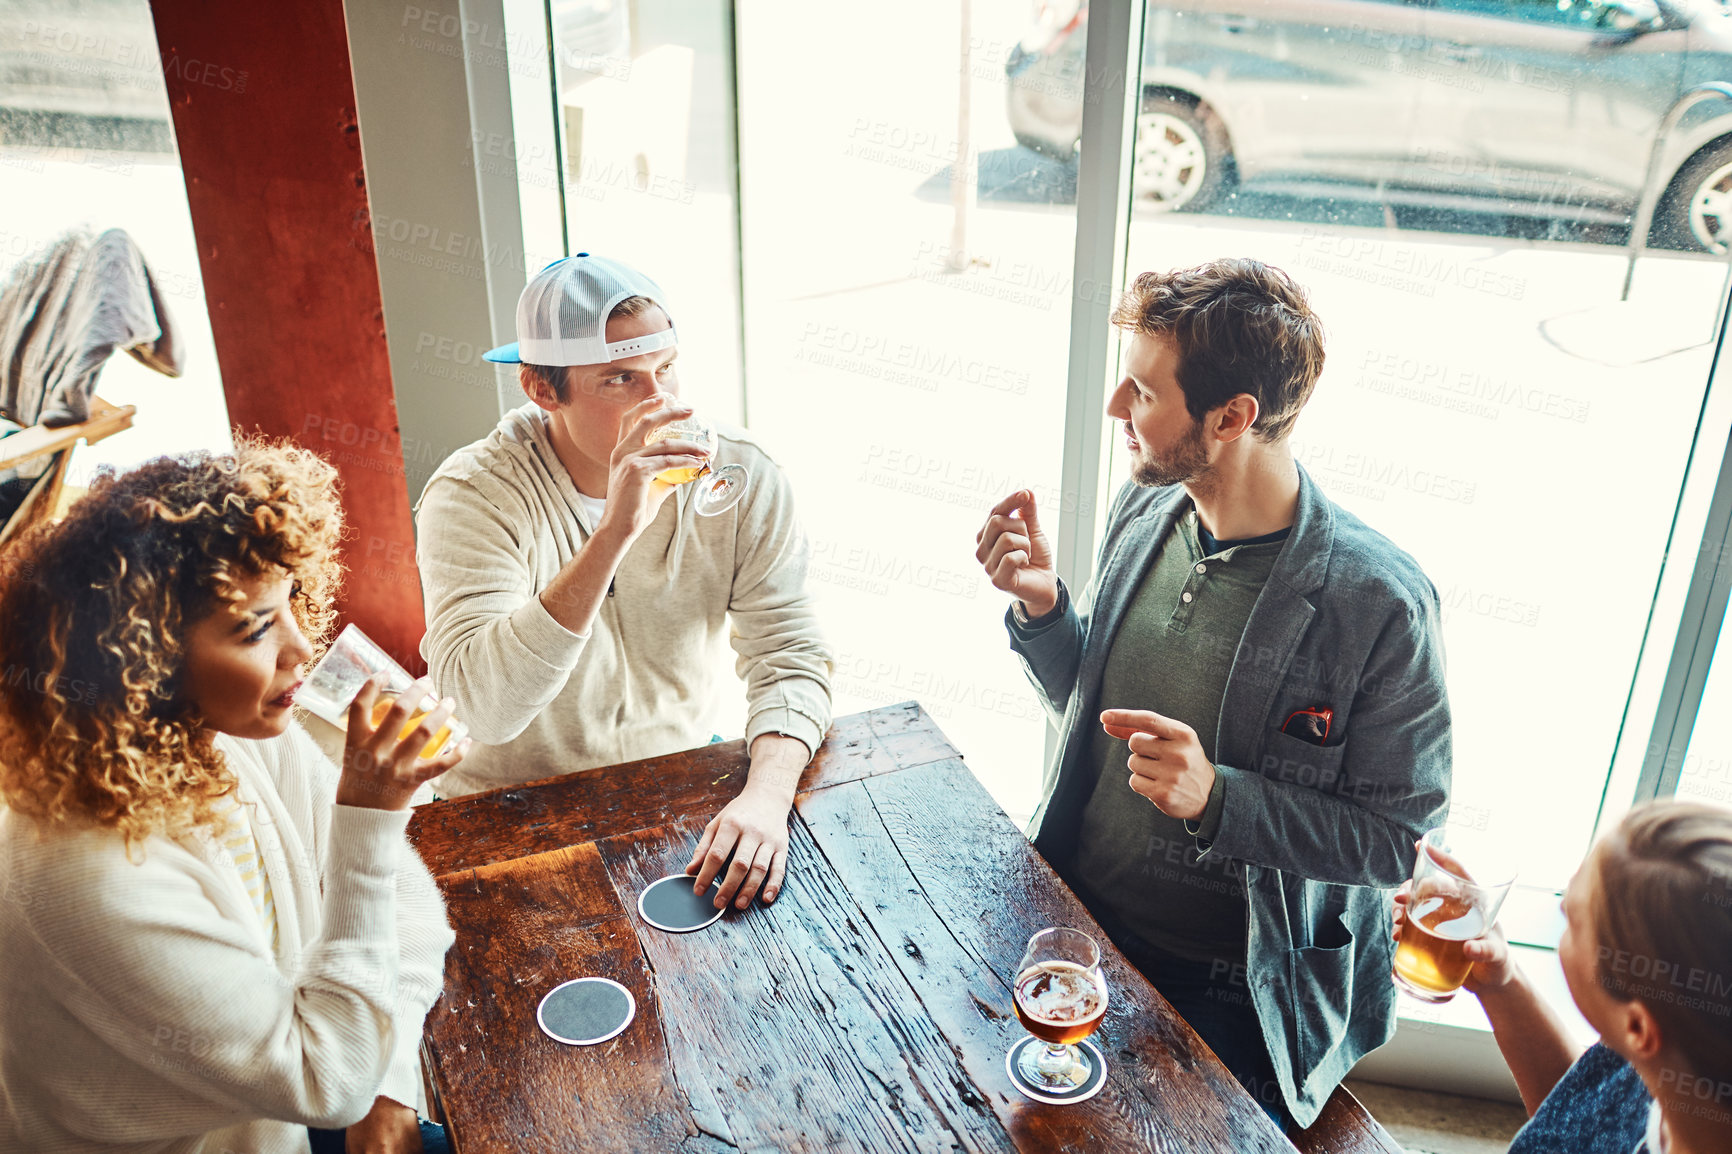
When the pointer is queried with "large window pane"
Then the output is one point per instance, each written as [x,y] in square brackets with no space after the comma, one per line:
[1451,183]
[645,154]
[86,143]
[906,349]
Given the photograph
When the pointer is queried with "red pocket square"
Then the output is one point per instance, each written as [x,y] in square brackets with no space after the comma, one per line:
[1309,725]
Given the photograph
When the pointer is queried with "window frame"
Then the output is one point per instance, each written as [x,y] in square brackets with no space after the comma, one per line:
[1114,50]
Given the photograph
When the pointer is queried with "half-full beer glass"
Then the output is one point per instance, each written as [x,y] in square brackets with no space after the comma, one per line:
[1459,883]
[1060,997]
[347,664]
[722,488]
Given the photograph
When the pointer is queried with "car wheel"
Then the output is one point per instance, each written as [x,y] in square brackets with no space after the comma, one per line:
[1696,212]
[1180,156]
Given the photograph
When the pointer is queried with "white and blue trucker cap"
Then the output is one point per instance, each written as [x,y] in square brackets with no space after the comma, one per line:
[562,315]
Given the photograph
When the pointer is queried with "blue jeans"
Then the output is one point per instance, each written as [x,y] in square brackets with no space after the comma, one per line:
[331,1141]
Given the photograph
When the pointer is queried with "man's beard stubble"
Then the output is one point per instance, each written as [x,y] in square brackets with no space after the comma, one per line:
[1187,464]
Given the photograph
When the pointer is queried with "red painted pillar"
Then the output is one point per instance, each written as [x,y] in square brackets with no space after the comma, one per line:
[264,111]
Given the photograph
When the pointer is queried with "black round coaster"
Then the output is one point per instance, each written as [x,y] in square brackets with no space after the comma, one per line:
[585,1011]
[671,905]
[1086,1053]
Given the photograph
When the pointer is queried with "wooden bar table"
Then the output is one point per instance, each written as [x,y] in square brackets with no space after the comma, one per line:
[868,1009]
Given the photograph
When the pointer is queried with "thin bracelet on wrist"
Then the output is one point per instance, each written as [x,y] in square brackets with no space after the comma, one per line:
[1027,622]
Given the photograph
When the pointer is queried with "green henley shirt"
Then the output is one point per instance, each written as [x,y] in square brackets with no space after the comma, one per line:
[1172,654]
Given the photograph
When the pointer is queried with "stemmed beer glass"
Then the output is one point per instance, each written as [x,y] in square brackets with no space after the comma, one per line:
[1060,998]
[723,487]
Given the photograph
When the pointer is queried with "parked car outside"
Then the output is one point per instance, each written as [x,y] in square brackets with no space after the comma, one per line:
[1541,107]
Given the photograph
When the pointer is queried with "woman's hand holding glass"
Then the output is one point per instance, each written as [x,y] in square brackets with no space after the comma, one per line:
[382,763]
[1492,969]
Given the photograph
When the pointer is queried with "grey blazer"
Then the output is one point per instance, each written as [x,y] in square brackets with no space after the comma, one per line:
[1347,621]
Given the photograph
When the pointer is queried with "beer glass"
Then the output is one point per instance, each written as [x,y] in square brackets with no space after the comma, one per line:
[1459,883]
[1060,997]
[722,488]
[352,658]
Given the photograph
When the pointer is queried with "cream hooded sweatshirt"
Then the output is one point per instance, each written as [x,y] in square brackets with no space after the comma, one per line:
[501,517]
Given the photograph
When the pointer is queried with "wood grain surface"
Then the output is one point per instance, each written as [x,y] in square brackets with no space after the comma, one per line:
[552,812]
[789,1029]
[868,1009]
[954,891]
[524,927]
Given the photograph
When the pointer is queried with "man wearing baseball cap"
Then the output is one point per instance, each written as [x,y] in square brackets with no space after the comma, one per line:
[575,603]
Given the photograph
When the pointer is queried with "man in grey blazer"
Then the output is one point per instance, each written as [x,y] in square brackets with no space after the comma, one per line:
[1269,671]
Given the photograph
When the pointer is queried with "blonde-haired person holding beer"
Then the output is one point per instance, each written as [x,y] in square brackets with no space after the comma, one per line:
[1647,955]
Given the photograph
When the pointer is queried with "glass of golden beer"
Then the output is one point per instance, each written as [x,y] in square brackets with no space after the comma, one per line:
[352,658]
[721,488]
[1060,998]
[1459,883]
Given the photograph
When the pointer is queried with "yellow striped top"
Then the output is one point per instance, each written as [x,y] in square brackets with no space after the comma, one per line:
[238,839]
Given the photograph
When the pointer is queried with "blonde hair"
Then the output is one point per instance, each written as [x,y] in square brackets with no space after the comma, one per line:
[95,729]
[1662,919]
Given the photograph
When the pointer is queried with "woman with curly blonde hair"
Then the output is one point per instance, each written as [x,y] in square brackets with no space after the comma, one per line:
[211,938]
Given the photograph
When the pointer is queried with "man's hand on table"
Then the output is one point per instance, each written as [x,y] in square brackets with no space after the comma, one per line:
[754,826]
[389,1128]
[1167,762]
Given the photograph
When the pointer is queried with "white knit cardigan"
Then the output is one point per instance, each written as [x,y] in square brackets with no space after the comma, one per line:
[141,1006]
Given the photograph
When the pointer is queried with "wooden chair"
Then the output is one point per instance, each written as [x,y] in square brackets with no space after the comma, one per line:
[38,441]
